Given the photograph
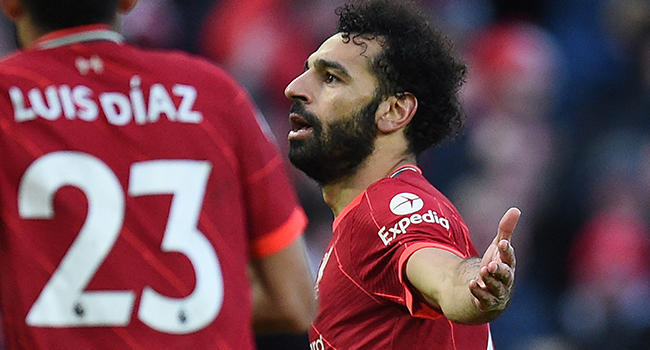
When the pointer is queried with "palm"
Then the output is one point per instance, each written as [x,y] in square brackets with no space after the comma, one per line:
[506,227]
[493,289]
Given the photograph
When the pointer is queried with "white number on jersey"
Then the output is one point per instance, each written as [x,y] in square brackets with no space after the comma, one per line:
[63,302]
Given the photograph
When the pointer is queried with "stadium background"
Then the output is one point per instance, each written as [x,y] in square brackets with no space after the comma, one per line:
[558,104]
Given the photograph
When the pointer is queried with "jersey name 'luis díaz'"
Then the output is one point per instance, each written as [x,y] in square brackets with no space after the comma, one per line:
[81,102]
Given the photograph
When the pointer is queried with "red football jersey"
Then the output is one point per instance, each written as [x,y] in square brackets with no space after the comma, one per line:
[135,185]
[364,302]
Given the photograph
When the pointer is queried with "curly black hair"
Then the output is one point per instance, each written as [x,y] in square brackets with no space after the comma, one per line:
[416,58]
[61,14]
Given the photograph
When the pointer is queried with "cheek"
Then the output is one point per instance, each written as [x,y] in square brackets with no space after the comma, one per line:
[339,106]
[329,109]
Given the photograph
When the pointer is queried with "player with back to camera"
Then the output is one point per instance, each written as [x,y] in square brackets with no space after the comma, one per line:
[136,190]
[400,271]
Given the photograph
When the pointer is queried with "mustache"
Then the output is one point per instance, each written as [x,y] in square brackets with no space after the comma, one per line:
[299,109]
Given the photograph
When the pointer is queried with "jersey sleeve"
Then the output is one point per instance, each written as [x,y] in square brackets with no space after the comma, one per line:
[276,218]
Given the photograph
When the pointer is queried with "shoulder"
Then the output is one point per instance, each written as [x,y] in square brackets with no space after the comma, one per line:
[184,64]
[408,208]
[405,194]
[216,87]
[389,200]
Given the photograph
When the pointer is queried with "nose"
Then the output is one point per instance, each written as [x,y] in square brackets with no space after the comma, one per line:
[297,91]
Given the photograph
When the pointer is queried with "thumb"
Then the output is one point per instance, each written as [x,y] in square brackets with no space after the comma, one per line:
[507,224]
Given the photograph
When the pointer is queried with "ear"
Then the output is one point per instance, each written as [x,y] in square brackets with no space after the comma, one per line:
[12,9]
[125,6]
[396,112]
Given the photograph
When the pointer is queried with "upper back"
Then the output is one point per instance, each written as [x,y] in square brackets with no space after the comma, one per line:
[130,194]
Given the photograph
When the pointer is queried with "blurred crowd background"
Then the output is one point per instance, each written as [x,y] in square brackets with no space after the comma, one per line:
[558,107]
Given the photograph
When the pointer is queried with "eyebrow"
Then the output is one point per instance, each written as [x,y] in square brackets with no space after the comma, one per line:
[321,63]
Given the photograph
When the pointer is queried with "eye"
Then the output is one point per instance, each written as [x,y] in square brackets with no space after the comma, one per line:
[330,78]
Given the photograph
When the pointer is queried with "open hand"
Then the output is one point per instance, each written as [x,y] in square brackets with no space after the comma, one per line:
[493,290]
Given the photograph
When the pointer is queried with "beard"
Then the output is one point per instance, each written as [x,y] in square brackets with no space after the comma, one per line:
[335,152]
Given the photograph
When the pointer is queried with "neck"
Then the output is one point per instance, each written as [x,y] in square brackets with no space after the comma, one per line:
[29,32]
[339,194]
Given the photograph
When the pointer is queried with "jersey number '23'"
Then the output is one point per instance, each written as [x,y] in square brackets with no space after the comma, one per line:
[65,292]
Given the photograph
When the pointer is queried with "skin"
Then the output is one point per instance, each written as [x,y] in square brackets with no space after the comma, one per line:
[282,284]
[338,79]
[28,31]
[283,291]
[331,92]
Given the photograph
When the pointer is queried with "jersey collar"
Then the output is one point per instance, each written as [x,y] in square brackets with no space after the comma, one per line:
[79,34]
[404,168]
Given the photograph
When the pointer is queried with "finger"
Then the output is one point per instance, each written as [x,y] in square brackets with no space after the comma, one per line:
[484,299]
[508,223]
[507,253]
[501,272]
[495,284]
[490,279]
[482,295]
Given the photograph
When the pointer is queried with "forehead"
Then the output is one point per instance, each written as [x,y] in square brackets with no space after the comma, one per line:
[355,55]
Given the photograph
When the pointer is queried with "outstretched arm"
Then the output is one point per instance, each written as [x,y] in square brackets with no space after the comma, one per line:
[472,290]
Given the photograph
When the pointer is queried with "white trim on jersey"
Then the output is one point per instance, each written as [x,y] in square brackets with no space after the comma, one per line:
[490,346]
[81,37]
[406,167]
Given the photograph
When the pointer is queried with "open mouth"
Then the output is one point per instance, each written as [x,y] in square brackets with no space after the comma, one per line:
[299,126]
